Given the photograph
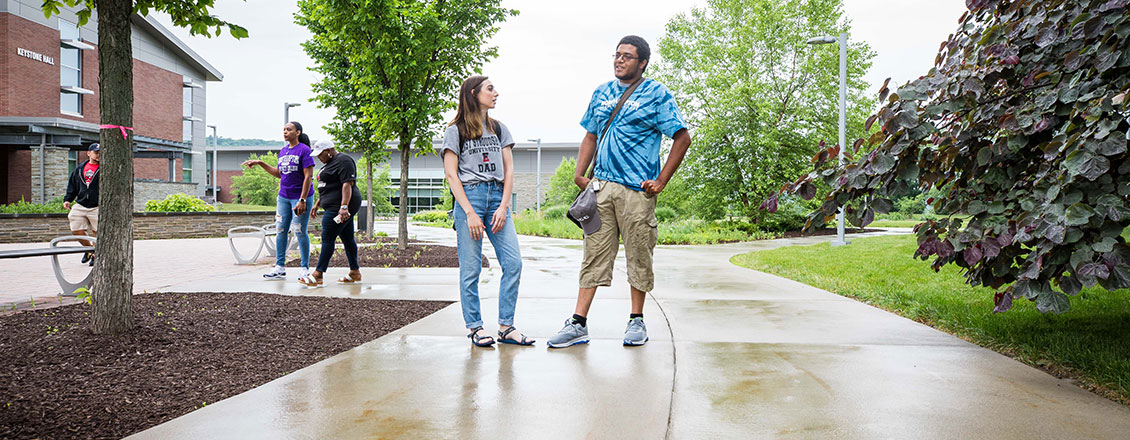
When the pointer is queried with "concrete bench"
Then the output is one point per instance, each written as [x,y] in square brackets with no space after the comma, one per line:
[54,251]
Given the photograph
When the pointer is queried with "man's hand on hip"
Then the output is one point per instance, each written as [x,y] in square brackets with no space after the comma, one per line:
[653,187]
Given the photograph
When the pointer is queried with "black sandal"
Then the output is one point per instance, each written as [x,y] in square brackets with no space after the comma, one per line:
[478,340]
[503,339]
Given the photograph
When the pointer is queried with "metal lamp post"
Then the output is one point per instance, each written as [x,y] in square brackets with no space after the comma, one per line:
[842,40]
[286,110]
[215,166]
[538,197]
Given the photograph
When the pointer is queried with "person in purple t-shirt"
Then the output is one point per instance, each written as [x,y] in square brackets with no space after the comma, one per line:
[295,171]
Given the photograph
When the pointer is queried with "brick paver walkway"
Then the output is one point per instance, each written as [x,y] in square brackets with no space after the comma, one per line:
[157,264]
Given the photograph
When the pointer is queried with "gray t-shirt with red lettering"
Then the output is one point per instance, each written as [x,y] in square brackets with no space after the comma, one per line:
[480,160]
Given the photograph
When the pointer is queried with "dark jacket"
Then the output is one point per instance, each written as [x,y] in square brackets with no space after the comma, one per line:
[78,192]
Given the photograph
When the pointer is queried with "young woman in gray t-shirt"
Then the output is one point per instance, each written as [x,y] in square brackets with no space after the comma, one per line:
[479,165]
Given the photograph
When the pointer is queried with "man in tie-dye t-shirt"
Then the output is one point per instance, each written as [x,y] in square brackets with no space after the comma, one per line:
[627,180]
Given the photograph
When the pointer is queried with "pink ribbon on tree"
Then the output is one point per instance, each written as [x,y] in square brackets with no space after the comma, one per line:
[123,129]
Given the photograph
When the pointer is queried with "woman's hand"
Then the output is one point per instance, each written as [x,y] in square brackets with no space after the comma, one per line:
[343,213]
[300,207]
[498,221]
[314,210]
[475,226]
[251,163]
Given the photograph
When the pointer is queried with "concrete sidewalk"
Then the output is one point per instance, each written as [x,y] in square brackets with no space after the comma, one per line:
[746,355]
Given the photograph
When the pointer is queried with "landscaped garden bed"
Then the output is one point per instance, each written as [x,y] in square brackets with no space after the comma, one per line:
[188,350]
[383,252]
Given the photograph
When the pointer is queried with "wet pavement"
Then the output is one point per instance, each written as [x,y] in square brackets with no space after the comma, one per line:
[734,353]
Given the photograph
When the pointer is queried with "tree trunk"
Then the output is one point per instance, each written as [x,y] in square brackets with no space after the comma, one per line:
[112,310]
[402,222]
[369,197]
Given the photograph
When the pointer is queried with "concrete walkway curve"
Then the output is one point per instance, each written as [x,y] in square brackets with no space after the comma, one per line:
[734,353]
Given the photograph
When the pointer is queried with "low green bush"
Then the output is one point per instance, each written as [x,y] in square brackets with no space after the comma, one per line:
[791,215]
[665,214]
[557,211]
[21,207]
[431,217]
[178,203]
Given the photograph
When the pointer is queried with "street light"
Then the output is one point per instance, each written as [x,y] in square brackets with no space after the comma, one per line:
[215,165]
[538,198]
[286,111]
[827,39]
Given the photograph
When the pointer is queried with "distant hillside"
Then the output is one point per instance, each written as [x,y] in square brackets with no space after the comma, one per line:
[229,142]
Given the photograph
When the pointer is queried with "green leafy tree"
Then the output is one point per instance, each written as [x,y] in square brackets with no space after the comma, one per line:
[382,194]
[562,190]
[757,96]
[405,63]
[112,306]
[1022,124]
[336,90]
[256,186]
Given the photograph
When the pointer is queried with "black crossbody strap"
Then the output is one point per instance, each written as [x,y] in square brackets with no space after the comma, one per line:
[615,111]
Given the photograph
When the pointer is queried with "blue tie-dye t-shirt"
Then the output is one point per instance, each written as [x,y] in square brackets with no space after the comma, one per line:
[629,153]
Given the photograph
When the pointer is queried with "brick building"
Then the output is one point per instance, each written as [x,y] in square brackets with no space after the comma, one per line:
[49,104]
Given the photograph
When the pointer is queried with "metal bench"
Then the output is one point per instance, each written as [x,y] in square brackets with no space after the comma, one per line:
[246,231]
[54,251]
[271,230]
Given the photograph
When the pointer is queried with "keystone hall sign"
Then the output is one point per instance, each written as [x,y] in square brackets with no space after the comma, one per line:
[35,56]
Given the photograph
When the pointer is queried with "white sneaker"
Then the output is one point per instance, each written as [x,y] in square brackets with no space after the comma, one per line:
[278,273]
[306,271]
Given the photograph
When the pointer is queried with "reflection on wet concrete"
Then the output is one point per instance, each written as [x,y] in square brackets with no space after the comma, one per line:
[757,356]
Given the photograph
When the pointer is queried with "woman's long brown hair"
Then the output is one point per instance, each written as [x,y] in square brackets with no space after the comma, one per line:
[468,116]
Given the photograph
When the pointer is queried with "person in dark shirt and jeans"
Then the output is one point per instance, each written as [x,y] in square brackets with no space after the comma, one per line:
[339,197]
[82,189]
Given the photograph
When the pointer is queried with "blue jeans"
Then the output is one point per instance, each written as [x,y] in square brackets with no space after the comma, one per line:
[285,209]
[331,230]
[485,198]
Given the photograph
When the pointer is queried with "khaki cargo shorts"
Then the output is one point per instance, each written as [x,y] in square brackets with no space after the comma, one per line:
[626,214]
[83,218]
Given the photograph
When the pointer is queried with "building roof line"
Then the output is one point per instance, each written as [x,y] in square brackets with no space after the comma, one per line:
[151,24]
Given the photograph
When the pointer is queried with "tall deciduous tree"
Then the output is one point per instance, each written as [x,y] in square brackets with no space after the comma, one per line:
[112,309]
[1022,125]
[336,90]
[404,63]
[757,95]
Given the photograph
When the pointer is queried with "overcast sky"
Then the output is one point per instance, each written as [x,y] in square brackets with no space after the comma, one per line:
[550,58]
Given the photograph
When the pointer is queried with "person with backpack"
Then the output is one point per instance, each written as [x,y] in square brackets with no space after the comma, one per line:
[626,121]
[478,162]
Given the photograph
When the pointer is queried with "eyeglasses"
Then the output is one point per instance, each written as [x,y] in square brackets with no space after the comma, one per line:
[626,57]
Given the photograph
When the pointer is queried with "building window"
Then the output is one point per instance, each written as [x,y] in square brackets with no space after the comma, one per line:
[186,169]
[186,127]
[70,68]
[423,193]
[208,169]
[72,161]
[186,112]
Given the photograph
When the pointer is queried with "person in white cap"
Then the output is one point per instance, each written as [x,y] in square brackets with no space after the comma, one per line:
[339,197]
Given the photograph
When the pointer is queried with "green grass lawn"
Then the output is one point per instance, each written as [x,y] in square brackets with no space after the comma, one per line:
[1090,342]
[243,207]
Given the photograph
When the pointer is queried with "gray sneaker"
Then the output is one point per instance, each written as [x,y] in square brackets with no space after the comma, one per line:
[572,334]
[636,334]
[278,273]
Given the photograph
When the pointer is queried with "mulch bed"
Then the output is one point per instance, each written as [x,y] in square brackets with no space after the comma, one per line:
[59,380]
[384,253]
